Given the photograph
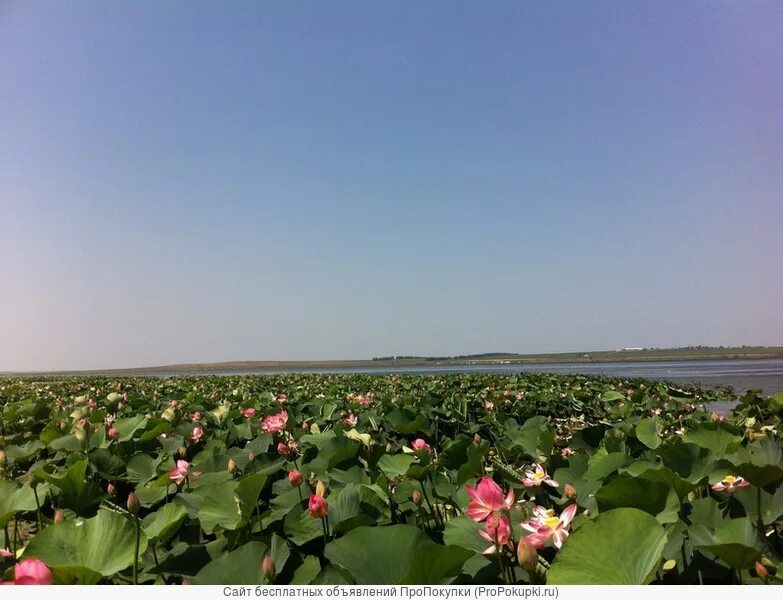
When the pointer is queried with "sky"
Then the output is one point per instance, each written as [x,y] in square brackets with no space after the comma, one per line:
[211,181]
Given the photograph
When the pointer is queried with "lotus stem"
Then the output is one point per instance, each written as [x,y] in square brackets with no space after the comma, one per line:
[37,509]
[136,551]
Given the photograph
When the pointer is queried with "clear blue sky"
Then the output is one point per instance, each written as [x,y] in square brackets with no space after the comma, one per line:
[206,181]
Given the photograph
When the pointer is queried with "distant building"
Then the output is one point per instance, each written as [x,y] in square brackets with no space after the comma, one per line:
[628,349]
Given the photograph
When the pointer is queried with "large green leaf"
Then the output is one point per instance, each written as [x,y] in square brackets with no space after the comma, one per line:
[436,564]
[620,547]
[649,432]
[653,497]
[75,491]
[219,507]
[734,540]
[85,552]
[463,532]
[14,500]
[406,421]
[240,567]
[396,465]
[718,438]
[376,555]
[534,438]
[162,524]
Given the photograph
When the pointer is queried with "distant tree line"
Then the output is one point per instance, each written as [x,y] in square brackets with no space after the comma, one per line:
[461,357]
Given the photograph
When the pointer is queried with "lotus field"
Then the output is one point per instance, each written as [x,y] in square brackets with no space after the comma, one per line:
[315,479]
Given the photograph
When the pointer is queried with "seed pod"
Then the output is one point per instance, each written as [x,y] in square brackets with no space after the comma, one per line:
[182,451]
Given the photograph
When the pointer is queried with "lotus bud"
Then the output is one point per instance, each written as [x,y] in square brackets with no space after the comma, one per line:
[527,555]
[305,425]
[182,451]
[232,465]
[320,489]
[282,448]
[80,433]
[113,433]
[111,490]
[318,507]
[268,567]
[761,571]
[251,456]
[416,497]
[59,515]
[32,481]
[388,447]
[133,503]
[476,438]
[569,491]
[295,478]
[120,406]
[2,458]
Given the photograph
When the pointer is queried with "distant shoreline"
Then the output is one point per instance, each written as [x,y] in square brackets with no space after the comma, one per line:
[240,367]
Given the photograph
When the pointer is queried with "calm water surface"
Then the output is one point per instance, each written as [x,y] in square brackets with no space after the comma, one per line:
[764,374]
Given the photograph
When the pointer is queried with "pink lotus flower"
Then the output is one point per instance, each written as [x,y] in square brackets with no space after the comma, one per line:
[365,399]
[249,413]
[196,436]
[487,498]
[113,433]
[537,477]
[294,446]
[730,484]
[91,403]
[282,448]
[294,478]
[172,404]
[275,423]
[196,417]
[108,420]
[5,553]
[318,507]
[420,445]
[282,398]
[305,425]
[489,405]
[31,571]
[351,420]
[546,524]
[497,531]
[655,411]
[716,417]
[182,471]
[566,452]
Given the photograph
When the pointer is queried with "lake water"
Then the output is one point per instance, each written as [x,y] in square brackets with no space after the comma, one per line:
[765,374]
